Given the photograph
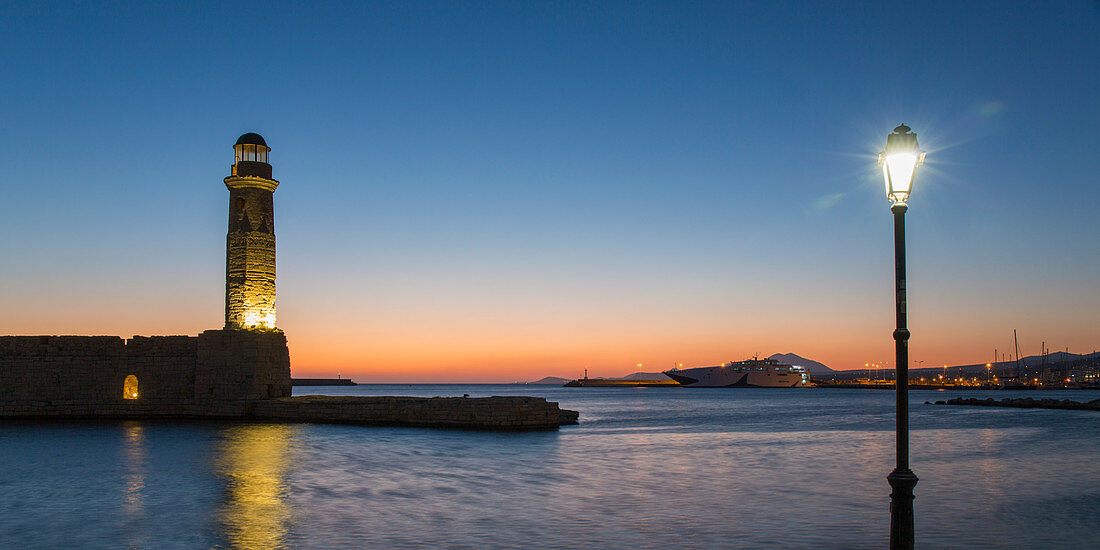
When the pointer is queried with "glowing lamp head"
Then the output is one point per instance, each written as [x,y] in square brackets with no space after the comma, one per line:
[899,163]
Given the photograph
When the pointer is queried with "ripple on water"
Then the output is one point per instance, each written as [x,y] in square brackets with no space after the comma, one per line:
[645,469]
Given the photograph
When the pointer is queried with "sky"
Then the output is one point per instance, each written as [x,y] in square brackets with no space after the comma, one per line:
[497,192]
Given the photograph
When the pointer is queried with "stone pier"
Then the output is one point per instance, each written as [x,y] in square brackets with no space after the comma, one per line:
[482,413]
[465,413]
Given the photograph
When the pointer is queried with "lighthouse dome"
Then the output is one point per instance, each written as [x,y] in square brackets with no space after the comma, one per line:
[251,138]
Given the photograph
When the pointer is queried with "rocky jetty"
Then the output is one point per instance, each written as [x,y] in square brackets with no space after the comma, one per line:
[1025,403]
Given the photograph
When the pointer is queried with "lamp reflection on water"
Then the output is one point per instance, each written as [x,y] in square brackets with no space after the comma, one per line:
[254,460]
[135,465]
[134,461]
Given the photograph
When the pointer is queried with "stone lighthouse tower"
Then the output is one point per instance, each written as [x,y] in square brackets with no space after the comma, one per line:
[250,244]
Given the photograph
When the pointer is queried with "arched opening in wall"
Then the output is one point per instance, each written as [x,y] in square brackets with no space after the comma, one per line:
[130,387]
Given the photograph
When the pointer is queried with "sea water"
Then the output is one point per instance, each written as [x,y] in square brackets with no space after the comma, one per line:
[645,468]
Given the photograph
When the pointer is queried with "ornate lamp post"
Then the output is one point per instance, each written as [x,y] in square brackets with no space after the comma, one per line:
[899,162]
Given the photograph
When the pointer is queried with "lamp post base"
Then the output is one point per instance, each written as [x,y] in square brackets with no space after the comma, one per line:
[901,508]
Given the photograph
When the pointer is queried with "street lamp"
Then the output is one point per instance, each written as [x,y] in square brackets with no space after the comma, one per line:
[899,163]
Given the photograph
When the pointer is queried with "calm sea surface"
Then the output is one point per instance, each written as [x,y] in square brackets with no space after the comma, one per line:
[646,468]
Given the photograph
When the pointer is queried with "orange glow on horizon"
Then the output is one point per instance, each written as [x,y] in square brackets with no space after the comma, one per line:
[523,347]
[474,339]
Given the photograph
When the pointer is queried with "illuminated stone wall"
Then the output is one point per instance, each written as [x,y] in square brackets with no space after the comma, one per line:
[250,253]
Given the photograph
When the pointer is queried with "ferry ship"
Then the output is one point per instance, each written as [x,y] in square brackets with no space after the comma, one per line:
[750,373]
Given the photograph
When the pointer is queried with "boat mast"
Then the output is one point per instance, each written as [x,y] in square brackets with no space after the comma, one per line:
[1043,351]
[1017,342]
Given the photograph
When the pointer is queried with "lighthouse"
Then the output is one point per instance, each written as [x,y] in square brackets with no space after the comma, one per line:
[250,243]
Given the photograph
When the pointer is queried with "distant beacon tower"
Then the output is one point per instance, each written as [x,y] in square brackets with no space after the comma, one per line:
[250,244]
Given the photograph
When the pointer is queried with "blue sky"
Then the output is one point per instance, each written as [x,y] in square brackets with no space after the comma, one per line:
[497,188]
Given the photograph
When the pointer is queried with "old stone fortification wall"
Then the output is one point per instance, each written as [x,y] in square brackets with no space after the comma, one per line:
[240,364]
[233,374]
[54,374]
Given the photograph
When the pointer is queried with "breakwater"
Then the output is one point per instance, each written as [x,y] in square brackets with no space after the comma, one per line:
[1025,403]
[483,413]
[480,413]
[322,382]
[913,385]
[617,383]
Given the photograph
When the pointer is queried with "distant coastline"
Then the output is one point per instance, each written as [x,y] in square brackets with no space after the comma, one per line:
[322,382]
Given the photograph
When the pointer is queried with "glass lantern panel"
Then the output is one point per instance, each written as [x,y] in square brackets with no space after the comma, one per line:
[898,171]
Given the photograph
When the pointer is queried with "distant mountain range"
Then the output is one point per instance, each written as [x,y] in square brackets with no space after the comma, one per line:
[1030,361]
[790,358]
[820,369]
[1056,360]
[1036,360]
[809,364]
[550,380]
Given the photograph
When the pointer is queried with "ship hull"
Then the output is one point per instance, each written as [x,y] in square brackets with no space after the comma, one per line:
[739,376]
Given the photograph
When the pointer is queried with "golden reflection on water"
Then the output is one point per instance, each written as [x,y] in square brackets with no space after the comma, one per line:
[134,462]
[254,460]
